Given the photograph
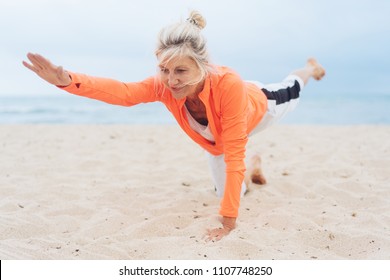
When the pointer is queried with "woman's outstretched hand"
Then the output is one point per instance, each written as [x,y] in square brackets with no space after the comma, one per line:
[228,224]
[51,73]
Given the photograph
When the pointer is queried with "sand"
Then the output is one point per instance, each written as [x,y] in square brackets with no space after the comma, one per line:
[144,192]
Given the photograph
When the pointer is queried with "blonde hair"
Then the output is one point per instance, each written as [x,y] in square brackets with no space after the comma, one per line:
[185,39]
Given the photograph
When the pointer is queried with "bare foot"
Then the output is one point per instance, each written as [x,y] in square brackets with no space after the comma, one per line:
[318,70]
[254,172]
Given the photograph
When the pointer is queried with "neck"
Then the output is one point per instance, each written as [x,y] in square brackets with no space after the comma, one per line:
[195,96]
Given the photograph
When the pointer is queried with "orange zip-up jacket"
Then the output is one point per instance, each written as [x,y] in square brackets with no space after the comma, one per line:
[233,108]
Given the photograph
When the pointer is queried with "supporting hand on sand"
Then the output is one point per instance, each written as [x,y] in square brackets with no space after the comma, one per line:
[228,224]
[51,73]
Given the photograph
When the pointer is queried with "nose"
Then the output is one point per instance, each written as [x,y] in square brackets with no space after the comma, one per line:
[172,80]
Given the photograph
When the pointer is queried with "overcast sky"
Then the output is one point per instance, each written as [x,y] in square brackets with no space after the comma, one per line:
[262,40]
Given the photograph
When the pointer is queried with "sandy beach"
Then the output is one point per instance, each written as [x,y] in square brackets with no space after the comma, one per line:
[144,192]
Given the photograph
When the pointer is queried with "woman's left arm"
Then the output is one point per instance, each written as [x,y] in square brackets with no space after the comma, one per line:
[234,105]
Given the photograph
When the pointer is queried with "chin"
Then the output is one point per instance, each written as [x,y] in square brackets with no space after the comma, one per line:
[179,94]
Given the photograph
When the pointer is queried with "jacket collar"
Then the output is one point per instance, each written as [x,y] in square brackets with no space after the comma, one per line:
[203,95]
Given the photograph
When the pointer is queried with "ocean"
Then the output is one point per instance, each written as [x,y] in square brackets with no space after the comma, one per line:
[332,109]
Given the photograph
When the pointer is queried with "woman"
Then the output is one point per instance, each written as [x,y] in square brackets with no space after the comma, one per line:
[212,104]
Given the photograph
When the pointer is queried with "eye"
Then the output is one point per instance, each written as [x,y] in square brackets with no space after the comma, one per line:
[164,70]
[180,71]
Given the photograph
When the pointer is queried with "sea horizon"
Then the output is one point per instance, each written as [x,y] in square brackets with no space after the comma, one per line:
[332,109]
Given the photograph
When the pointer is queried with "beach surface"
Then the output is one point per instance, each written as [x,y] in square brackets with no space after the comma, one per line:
[144,192]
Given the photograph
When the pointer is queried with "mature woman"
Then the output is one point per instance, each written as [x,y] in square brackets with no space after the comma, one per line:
[212,104]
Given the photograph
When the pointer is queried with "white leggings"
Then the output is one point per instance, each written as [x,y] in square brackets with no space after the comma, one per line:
[282,98]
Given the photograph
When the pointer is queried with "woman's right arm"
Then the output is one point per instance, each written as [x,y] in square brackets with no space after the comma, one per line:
[103,89]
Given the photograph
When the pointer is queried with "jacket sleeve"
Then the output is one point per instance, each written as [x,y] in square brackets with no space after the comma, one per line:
[112,91]
[234,106]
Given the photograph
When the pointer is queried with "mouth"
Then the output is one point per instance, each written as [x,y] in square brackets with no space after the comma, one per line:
[176,89]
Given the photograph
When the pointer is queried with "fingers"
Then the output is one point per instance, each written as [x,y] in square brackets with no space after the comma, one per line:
[215,234]
[34,66]
[34,62]
[29,66]
[39,62]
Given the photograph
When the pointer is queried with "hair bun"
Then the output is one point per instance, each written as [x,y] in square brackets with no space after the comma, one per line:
[197,19]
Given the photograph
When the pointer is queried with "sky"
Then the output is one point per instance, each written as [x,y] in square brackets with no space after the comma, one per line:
[261,40]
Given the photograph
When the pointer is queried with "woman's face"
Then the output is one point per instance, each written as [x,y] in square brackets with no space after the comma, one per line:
[182,77]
